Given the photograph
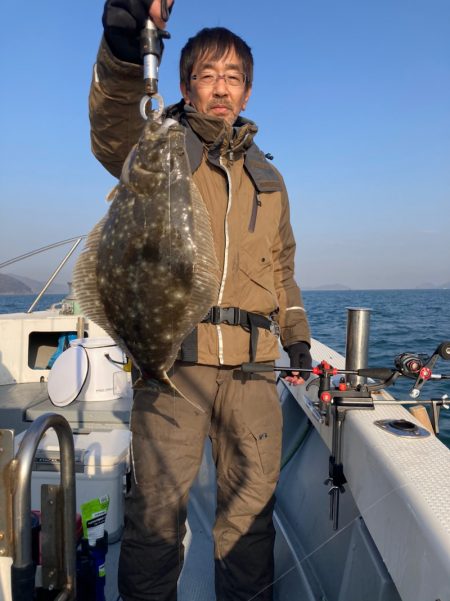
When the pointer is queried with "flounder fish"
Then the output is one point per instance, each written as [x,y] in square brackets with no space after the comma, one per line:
[149,274]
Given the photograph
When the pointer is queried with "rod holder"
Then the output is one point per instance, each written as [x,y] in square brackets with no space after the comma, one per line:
[357,345]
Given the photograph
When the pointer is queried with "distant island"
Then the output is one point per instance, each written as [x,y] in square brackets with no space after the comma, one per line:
[430,286]
[15,285]
[9,285]
[342,287]
[327,287]
[338,287]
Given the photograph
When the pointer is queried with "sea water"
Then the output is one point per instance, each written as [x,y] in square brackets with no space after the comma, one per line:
[415,321]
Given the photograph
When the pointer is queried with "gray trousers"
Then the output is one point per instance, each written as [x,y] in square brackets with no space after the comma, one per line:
[242,417]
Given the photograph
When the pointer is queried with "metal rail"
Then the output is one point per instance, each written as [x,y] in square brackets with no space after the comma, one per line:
[22,573]
[54,274]
[32,253]
[39,250]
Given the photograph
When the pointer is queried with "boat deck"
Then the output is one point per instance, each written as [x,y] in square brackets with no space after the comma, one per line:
[22,404]
[393,515]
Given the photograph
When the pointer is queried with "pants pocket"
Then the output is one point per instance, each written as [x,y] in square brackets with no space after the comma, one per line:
[268,444]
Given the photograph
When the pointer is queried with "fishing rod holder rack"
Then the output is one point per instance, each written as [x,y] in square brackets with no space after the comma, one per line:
[332,411]
[58,541]
[333,414]
[354,391]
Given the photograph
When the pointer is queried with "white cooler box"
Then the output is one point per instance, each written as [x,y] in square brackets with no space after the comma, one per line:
[101,463]
[91,370]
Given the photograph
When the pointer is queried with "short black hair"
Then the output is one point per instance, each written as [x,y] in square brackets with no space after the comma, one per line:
[215,42]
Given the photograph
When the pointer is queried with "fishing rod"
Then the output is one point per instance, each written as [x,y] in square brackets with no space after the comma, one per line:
[344,395]
[417,366]
[335,400]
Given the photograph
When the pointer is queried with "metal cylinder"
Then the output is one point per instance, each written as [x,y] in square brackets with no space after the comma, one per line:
[81,324]
[357,347]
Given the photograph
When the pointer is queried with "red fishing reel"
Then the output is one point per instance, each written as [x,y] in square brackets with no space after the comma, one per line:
[419,367]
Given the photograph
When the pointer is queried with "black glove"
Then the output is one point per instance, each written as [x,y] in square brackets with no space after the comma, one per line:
[300,357]
[123,21]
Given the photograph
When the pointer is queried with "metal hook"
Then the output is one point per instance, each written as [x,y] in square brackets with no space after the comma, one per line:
[156,114]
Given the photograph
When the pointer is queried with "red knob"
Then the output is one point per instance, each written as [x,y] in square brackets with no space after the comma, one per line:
[325,397]
[425,373]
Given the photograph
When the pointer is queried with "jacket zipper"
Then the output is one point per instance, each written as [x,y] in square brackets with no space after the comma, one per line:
[225,260]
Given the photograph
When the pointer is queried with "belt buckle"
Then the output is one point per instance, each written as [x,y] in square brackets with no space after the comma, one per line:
[228,315]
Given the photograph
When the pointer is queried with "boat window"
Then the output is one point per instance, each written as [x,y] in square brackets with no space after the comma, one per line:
[45,347]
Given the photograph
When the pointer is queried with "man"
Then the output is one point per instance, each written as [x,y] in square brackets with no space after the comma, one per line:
[258,299]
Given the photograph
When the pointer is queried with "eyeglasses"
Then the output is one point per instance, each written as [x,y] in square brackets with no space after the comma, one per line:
[210,79]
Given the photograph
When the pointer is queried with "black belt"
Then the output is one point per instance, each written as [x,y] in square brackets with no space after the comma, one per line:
[234,316]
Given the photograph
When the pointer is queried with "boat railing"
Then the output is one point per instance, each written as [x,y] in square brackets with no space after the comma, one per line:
[75,242]
[59,509]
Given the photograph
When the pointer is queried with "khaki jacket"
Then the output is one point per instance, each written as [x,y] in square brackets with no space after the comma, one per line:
[245,197]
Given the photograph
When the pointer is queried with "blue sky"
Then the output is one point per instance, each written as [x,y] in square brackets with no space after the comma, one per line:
[352,98]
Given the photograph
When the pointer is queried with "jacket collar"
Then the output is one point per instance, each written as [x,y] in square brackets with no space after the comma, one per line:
[220,139]
[217,136]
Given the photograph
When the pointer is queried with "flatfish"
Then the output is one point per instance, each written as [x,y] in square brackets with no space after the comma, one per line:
[148,273]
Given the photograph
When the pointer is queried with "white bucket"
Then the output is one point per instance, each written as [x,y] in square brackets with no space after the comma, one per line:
[90,370]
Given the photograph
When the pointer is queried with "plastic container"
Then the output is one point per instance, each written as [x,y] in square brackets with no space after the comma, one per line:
[91,574]
[101,465]
[90,370]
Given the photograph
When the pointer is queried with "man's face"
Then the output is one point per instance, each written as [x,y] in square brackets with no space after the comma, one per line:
[217,97]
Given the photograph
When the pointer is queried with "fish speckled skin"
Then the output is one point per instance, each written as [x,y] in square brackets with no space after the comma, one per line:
[149,273]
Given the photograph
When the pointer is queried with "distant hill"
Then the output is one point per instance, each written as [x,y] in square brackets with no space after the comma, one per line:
[23,285]
[327,287]
[426,286]
[430,286]
[10,285]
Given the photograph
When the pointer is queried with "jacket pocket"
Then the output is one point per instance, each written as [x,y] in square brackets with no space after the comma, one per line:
[256,286]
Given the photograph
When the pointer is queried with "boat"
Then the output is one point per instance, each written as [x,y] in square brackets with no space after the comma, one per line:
[362,501]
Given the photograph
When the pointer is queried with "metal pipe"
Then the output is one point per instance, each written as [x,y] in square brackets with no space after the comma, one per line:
[39,250]
[55,273]
[357,346]
[80,327]
[22,471]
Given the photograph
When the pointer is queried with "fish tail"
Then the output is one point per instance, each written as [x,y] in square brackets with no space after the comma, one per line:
[155,384]
[172,386]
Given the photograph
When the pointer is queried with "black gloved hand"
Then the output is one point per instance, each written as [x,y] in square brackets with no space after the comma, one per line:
[123,21]
[300,357]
